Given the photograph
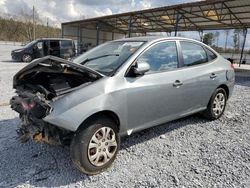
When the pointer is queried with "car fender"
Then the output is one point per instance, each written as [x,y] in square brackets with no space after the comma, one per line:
[72,110]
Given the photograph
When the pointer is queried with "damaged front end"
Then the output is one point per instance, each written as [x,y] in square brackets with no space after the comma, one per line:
[32,107]
[37,86]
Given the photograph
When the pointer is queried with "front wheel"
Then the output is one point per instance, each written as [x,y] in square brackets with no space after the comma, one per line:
[95,146]
[27,58]
[216,105]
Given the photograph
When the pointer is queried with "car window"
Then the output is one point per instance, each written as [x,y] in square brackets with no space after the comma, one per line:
[108,57]
[30,44]
[66,43]
[210,54]
[54,44]
[193,54]
[160,57]
[39,45]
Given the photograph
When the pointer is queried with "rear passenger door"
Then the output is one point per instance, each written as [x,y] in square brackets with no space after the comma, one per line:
[199,74]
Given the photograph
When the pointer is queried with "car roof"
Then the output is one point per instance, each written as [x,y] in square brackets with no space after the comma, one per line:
[55,39]
[154,38]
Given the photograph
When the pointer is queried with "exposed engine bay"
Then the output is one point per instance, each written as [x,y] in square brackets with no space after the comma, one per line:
[37,86]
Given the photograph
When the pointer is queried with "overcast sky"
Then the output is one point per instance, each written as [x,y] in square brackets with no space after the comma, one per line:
[58,11]
[67,10]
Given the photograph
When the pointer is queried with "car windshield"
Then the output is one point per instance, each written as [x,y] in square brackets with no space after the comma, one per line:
[30,44]
[107,58]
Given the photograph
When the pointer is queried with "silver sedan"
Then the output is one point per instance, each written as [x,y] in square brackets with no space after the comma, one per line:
[115,89]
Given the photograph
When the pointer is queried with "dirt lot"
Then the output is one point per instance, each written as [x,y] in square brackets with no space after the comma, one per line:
[191,152]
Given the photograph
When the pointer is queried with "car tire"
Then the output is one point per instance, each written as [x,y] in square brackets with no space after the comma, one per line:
[95,145]
[27,58]
[216,105]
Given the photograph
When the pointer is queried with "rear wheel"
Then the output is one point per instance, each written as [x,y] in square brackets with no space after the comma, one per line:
[26,58]
[95,146]
[216,105]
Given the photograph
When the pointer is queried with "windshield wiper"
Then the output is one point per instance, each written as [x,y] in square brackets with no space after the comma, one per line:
[98,57]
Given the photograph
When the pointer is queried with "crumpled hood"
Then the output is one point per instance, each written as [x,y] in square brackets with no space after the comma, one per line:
[49,61]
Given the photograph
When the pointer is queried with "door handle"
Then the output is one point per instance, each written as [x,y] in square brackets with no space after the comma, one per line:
[213,76]
[177,83]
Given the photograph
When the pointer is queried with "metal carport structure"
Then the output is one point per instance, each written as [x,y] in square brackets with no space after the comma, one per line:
[195,16]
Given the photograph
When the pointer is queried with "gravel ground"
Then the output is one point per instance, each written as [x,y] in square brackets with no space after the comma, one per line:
[7,69]
[191,152]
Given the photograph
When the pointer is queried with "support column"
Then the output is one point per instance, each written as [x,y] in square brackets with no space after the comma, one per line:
[78,39]
[243,45]
[201,35]
[62,31]
[97,33]
[177,23]
[129,26]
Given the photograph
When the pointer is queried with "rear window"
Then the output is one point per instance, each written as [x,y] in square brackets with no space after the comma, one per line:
[193,54]
[210,55]
[66,44]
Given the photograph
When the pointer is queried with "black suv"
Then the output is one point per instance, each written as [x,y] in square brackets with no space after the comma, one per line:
[60,47]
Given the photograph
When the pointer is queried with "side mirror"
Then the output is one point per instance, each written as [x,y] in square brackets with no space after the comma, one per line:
[141,68]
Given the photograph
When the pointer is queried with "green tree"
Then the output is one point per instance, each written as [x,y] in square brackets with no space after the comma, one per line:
[208,38]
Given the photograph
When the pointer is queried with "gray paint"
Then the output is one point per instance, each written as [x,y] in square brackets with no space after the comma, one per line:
[144,101]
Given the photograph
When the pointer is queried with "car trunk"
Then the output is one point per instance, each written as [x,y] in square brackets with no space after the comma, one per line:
[39,84]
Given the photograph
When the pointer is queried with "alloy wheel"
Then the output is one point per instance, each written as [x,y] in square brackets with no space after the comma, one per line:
[27,58]
[219,104]
[102,146]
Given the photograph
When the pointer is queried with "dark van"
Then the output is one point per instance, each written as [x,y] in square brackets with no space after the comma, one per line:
[60,47]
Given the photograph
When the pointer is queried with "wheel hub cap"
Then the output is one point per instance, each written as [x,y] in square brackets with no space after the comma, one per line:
[219,104]
[27,58]
[102,146]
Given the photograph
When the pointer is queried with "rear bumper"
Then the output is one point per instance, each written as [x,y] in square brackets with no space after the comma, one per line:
[230,83]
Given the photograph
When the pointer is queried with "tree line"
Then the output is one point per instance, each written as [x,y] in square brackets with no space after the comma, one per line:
[212,39]
[20,29]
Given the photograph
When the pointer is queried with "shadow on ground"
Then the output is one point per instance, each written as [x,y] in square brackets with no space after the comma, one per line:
[42,165]
[12,61]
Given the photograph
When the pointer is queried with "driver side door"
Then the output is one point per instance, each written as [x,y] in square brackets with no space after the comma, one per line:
[38,49]
[152,98]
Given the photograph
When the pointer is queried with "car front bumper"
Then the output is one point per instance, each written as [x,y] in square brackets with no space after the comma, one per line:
[16,56]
